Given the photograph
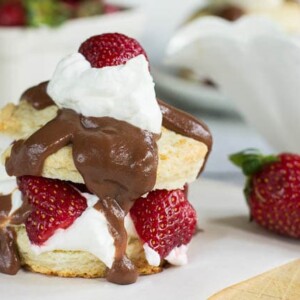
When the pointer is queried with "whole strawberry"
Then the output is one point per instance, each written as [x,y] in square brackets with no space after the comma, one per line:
[164,220]
[55,205]
[272,190]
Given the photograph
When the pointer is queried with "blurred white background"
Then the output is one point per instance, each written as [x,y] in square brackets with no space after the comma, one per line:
[162,19]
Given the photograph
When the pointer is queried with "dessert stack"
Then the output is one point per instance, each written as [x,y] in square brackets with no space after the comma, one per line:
[95,181]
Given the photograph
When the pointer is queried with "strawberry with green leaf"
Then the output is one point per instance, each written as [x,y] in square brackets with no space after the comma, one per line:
[272,189]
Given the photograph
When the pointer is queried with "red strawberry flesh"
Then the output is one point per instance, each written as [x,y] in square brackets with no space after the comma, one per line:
[55,205]
[164,220]
[275,196]
[12,14]
[110,8]
[110,49]
[272,190]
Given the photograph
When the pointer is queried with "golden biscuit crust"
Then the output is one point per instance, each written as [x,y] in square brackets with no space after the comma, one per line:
[180,157]
[20,121]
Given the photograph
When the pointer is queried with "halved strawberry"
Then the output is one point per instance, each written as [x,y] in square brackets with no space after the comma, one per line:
[164,220]
[55,204]
[110,49]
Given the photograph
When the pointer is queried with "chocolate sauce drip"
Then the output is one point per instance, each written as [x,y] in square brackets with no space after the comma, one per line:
[117,161]
[5,207]
[183,123]
[123,270]
[230,13]
[9,258]
[37,96]
[20,215]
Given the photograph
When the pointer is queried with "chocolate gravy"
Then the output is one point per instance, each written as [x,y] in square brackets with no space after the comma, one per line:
[5,207]
[37,96]
[185,124]
[9,258]
[117,161]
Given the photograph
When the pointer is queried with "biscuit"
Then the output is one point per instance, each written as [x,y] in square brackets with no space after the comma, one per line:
[180,157]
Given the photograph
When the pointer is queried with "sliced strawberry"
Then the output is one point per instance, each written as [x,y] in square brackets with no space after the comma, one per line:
[164,220]
[55,204]
[110,49]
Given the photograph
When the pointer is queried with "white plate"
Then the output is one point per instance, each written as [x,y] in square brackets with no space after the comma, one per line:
[230,249]
[191,92]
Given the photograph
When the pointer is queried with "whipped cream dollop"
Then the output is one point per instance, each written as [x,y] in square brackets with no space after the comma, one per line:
[250,4]
[7,185]
[177,256]
[124,92]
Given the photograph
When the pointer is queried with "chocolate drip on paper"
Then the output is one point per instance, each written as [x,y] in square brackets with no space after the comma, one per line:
[9,259]
[117,161]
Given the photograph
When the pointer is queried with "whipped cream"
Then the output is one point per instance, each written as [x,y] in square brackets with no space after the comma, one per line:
[124,92]
[250,4]
[16,201]
[177,257]
[7,186]
[153,258]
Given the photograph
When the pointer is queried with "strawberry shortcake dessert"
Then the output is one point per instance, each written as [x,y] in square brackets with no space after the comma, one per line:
[94,183]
